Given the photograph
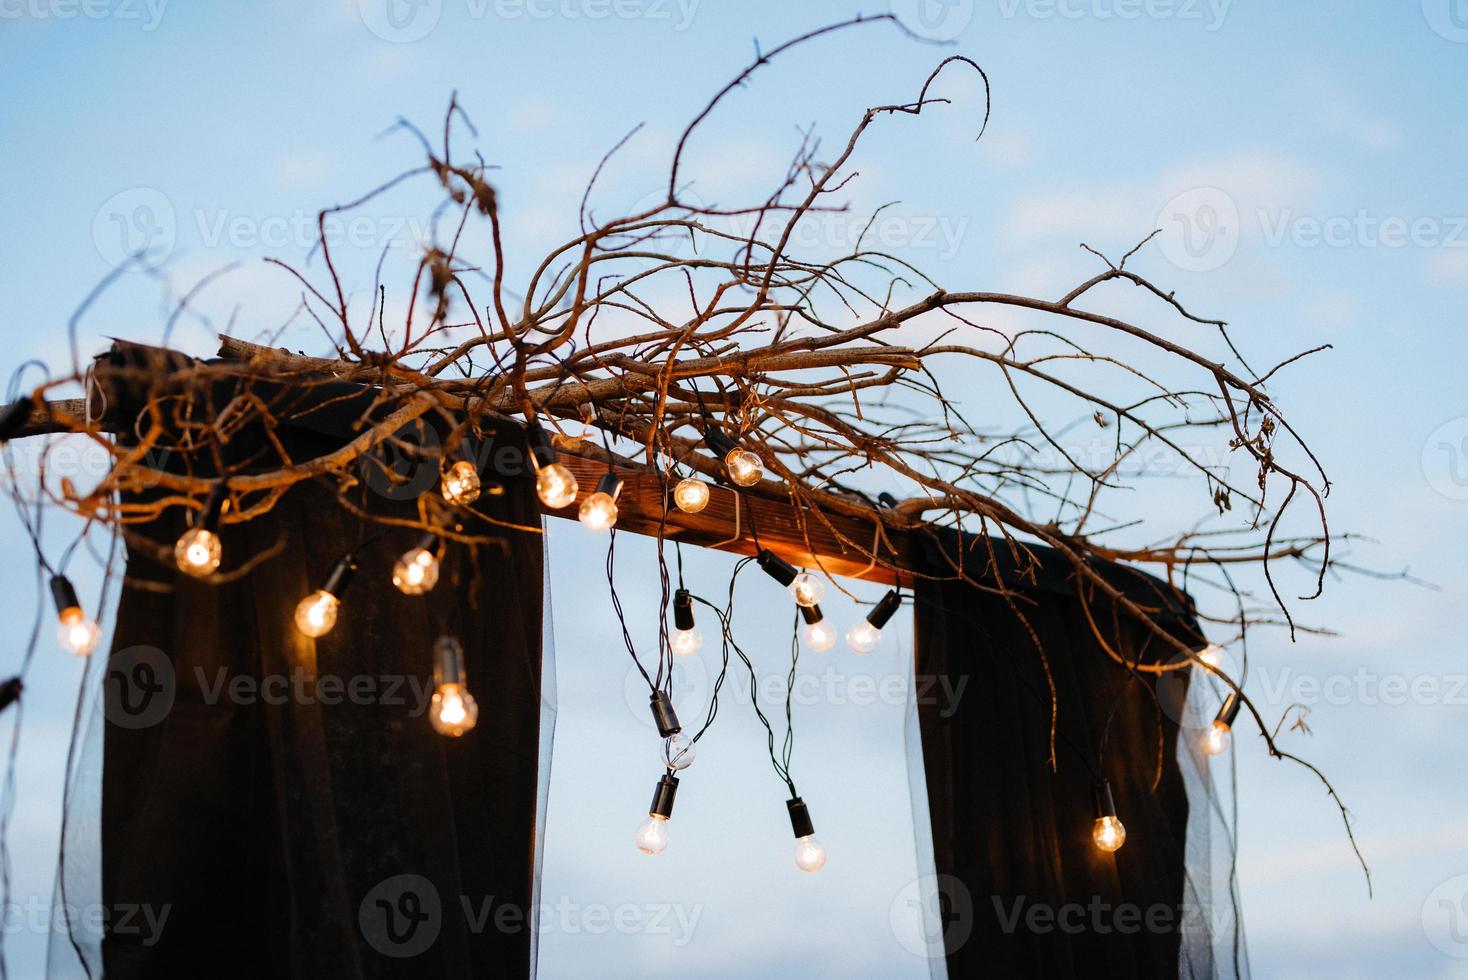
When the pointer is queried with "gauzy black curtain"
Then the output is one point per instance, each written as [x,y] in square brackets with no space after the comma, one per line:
[284,801]
[1020,888]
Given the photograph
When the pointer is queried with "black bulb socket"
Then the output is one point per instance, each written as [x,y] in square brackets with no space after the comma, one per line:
[611,485]
[776,567]
[64,594]
[799,818]
[341,575]
[683,609]
[1105,802]
[720,444]
[664,715]
[1230,709]
[663,797]
[542,450]
[10,692]
[811,614]
[885,609]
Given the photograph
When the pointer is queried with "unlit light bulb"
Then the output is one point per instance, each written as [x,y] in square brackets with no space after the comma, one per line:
[685,643]
[691,495]
[1108,834]
[453,710]
[820,636]
[198,551]
[316,614]
[807,590]
[1217,740]
[460,483]
[679,751]
[77,634]
[416,572]
[863,637]
[599,511]
[652,836]
[556,486]
[810,854]
[745,468]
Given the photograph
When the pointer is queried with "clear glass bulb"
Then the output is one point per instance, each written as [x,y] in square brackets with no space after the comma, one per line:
[1212,655]
[316,614]
[77,634]
[652,836]
[810,854]
[416,572]
[460,483]
[691,495]
[679,751]
[556,486]
[1217,739]
[745,468]
[198,551]
[820,636]
[807,590]
[453,710]
[1108,834]
[685,643]
[863,637]
[599,511]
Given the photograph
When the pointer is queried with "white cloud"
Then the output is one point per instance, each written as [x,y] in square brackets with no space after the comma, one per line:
[1449,267]
[1333,107]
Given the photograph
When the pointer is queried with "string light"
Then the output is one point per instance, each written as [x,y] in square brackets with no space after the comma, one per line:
[599,509]
[316,614]
[1212,656]
[664,715]
[807,590]
[686,640]
[865,635]
[460,483]
[555,485]
[744,467]
[197,551]
[679,751]
[77,634]
[416,572]
[1108,832]
[652,835]
[818,633]
[453,710]
[776,567]
[1216,740]
[810,854]
[691,495]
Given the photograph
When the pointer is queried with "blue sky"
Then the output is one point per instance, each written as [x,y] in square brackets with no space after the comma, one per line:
[1304,160]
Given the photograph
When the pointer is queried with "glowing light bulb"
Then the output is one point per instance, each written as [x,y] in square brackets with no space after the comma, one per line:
[652,836]
[77,634]
[453,710]
[416,572]
[745,468]
[460,483]
[599,511]
[1212,655]
[863,637]
[691,495]
[198,551]
[819,636]
[316,614]
[685,643]
[810,854]
[679,751]
[1216,741]
[807,590]
[556,486]
[1108,834]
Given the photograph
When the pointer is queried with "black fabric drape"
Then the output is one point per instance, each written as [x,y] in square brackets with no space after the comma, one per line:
[1024,891]
[285,801]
